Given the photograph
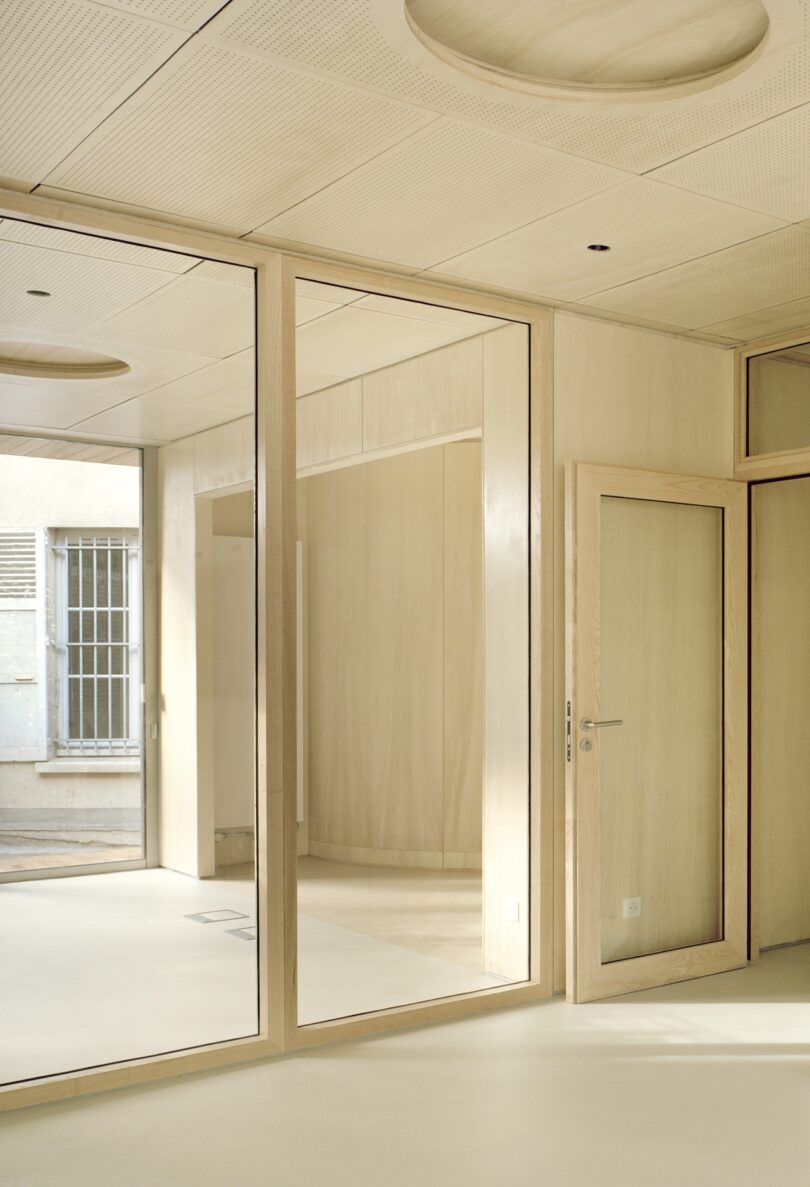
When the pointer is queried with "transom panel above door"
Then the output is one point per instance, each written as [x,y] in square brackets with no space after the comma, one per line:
[657,848]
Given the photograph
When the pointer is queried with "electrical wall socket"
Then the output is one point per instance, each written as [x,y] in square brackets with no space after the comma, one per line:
[511,910]
[631,908]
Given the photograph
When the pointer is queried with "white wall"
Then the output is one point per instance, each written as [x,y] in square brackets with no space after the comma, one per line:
[50,493]
[208,463]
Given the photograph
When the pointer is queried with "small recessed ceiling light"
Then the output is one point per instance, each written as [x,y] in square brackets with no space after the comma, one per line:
[37,293]
[598,247]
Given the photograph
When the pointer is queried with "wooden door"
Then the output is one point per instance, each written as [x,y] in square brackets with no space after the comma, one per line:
[657,838]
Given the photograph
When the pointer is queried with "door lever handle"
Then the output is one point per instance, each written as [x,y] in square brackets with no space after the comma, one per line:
[587,724]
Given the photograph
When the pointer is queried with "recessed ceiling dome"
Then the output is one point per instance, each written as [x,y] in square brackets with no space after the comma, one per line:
[615,49]
[41,360]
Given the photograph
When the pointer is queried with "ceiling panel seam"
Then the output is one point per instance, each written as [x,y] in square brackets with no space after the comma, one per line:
[683,263]
[136,89]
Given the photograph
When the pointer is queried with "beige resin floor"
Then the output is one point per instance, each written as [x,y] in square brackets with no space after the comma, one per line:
[105,967]
[703,1084]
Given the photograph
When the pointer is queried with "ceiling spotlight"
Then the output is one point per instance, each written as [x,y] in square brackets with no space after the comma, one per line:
[598,247]
[37,293]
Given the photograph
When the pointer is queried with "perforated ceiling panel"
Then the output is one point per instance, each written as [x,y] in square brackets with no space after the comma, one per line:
[82,288]
[76,451]
[452,186]
[191,314]
[722,286]
[368,41]
[778,319]
[232,139]
[648,226]
[354,340]
[184,14]
[779,182]
[74,399]
[95,247]
[64,65]
[222,392]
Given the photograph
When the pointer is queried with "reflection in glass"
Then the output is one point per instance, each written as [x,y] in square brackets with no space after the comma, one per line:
[127,753]
[412,449]
[778,400]
[661,771]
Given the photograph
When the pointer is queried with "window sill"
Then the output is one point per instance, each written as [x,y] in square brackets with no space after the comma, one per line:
[89,766]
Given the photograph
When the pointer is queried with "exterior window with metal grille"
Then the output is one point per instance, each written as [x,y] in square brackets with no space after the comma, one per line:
[98,640]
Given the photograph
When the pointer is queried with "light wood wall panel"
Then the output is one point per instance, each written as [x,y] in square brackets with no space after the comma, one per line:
[780,738]
[428,396]
[218,458]
[404,623]
[629,397]
[329,424]
[183,840]
[433,398]
[393,559]
[506,652]
[463,648]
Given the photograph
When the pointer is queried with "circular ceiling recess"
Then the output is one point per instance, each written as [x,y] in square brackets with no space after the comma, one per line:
[615,50]
[40,360]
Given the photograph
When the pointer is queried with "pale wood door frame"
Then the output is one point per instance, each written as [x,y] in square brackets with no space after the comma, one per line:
[587,977]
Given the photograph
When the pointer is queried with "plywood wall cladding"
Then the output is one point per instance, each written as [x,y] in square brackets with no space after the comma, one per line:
[395,761]
[781,688]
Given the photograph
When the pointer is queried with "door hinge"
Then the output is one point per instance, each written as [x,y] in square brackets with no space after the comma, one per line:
[568,738]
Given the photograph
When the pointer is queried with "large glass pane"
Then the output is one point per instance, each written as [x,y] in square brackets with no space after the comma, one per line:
[661,769]
[412,450]
[101,543]
[779,400]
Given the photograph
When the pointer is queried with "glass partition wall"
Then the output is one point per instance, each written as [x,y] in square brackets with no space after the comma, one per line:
[128,906]
[158,609]
[413,621]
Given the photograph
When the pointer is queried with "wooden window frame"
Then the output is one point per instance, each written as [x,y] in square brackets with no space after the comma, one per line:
[756,467]
[276,273]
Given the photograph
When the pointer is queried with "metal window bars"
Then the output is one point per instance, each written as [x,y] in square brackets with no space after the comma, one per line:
[99,644]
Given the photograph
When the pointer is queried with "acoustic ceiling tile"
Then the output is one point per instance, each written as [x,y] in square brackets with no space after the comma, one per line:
[82,288]
[221,392]
[73,399]
[231,138]
[64,66]
[225,273]
[78,451]
[354,340]
[190,314]
[473,323]
[765,168]
[41,406]
[74,243]
[443,191]
[308,310]
[312,381]
[182,14]
[335,294]
[777,319]
[770,270]
[648,226]
[369,42]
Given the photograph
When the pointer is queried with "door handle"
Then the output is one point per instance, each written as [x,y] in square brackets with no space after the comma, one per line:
[587,724]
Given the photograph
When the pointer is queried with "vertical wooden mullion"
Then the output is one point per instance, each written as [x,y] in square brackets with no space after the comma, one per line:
[276,604]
